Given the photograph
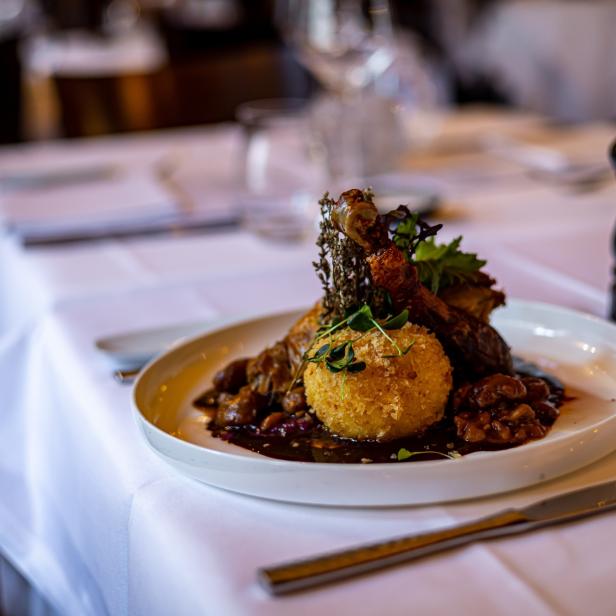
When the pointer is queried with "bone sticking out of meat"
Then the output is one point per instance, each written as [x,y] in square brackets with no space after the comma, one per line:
[358,219]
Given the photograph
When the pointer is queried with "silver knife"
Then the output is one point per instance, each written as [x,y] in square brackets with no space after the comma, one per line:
[147,230]
[28,180]
[302,574]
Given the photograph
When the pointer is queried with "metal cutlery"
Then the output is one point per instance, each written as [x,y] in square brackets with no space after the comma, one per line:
[335,566]
[131,351]
[127,376]
[146,230]
[547,163]
[67,176]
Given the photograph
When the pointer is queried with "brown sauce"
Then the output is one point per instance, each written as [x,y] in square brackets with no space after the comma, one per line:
[318,445]
[310,441]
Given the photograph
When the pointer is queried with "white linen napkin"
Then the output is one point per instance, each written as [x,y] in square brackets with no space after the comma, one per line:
[102,204]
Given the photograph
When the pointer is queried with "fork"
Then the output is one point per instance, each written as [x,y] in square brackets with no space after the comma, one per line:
[547,163]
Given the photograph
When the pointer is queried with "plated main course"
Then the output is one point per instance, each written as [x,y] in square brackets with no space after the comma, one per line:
[396,362]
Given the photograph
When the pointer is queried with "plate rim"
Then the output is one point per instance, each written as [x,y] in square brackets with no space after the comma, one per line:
[225,323]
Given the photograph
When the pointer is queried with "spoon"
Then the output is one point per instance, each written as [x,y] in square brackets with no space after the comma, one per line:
[548,164]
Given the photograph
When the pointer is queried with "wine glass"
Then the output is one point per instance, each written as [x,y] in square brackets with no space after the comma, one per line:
[279,182]
[346,44]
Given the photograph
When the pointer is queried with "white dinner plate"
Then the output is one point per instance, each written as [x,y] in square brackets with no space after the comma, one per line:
[577,348]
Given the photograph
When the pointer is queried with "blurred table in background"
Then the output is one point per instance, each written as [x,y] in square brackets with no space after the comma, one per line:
[181,65]
[101,525]
[104,84]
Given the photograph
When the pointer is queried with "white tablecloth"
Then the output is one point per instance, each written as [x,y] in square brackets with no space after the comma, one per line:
[102,525]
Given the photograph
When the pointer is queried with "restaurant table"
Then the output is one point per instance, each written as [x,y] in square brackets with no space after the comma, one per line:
[101,525]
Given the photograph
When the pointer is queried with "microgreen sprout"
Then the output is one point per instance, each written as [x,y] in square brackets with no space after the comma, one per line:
[341,358]
[405,454]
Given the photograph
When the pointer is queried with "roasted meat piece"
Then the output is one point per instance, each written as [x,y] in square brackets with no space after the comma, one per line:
[270,371]
[273,370]
[475,348]
[240,409]
[476,298]
[232,377]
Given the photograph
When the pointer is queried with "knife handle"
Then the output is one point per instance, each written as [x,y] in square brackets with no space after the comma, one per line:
[301,574]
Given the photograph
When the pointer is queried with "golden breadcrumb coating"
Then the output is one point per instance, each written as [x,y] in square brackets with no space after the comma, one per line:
[392,397]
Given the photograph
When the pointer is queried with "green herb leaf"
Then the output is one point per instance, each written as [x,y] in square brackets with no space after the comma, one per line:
[402,352]
[338,352]
[441,265]
[357,366]
[398,321]
[405,454]
[361,321]
[340,357]
[320,355]
[405,232]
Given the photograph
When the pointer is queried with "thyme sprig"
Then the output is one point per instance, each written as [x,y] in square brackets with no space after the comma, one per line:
[341,267]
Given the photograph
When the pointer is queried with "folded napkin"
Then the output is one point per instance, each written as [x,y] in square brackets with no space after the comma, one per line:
[103,204]
[114,202]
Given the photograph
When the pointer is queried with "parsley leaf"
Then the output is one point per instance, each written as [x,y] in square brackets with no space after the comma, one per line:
[441,265]
[438,265]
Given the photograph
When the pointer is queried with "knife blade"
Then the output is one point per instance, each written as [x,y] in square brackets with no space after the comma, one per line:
[144,231]
[334,566]
[573,505]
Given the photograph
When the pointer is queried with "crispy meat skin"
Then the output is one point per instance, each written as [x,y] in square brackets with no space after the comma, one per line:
[475,348]
[477,297]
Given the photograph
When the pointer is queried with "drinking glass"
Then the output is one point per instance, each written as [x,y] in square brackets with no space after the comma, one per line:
[279,176]
[348,45]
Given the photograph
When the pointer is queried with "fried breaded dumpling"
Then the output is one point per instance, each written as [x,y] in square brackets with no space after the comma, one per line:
[392,397]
